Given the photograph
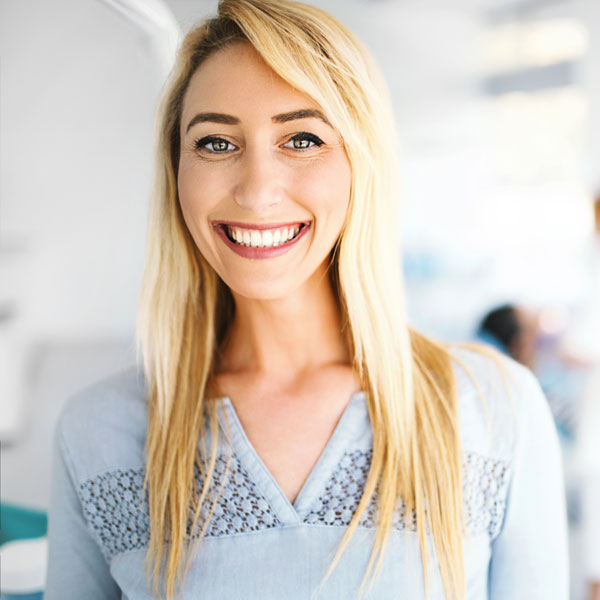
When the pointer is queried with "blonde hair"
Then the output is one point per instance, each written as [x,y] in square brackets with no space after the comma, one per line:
[185,308]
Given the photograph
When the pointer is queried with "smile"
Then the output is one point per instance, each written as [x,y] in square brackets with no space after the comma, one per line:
[260,241]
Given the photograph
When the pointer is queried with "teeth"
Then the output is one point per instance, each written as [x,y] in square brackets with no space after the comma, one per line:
[267,239]
[263,239]
[256,239]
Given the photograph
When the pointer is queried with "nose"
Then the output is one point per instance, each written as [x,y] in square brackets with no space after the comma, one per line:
[258,187]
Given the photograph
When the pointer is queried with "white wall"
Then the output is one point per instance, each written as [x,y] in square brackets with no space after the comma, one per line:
[78,96]
[589,12]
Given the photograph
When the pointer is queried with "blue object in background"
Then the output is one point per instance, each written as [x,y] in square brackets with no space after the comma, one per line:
[485,337]
[17,525]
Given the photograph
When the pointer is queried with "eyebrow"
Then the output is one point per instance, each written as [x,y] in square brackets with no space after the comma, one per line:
[304,113]
[224,119]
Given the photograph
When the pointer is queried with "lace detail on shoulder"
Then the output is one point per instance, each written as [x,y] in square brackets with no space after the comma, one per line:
[117,509]
[485,482]
[485,485]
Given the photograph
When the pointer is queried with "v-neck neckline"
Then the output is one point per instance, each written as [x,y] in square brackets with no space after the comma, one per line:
[287,512]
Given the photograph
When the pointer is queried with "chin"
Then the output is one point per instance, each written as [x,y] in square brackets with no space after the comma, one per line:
[263,290]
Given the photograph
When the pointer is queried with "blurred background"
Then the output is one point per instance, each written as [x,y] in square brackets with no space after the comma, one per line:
[498,116]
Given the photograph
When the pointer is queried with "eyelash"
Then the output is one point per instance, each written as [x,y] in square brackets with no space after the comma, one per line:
[202,143]
[304,135]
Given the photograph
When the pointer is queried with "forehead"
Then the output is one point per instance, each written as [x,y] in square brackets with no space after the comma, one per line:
[236,80]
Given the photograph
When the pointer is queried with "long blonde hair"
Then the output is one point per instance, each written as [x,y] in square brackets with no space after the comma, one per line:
[185,308]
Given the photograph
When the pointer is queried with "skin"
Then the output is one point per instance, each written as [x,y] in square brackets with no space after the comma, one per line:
[285,364]
[525,346]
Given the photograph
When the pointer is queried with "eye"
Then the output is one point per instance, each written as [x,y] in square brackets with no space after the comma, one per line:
[213,145]
[303,141]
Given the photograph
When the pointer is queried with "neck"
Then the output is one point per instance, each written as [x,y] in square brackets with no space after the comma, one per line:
[285,337]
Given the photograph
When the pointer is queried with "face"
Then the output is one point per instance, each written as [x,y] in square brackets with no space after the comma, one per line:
[263,180]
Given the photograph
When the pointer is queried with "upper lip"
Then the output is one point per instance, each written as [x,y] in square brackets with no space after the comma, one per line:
[259,226]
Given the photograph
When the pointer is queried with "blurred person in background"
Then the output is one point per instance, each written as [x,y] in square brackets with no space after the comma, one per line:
[567,364]
[516,331]
[513,330]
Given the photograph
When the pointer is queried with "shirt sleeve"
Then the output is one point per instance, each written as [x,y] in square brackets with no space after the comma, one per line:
[76,566]
[530,555]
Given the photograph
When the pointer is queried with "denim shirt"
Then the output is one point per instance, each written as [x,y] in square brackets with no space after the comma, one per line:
[259,545]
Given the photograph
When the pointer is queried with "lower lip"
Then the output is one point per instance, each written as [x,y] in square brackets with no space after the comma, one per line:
[249,252]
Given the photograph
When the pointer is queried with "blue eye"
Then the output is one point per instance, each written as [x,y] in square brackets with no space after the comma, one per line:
[303,141]
[215,145]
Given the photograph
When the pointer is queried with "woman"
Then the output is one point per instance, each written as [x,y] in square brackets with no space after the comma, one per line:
[296,439]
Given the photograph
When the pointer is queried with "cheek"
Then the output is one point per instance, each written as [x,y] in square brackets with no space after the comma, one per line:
[325,187]
[194,194]
[344,187]
[332,188]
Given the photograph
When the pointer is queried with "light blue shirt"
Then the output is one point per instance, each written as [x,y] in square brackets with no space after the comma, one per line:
[259,545]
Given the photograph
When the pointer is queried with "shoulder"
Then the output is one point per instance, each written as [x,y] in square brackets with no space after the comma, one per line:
[497,398]
[103,427]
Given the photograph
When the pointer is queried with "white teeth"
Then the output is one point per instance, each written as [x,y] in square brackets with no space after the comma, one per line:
[267,239]
[263,239]
[256,239]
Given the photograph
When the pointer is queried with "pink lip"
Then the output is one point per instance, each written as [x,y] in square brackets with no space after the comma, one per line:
[248,252]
